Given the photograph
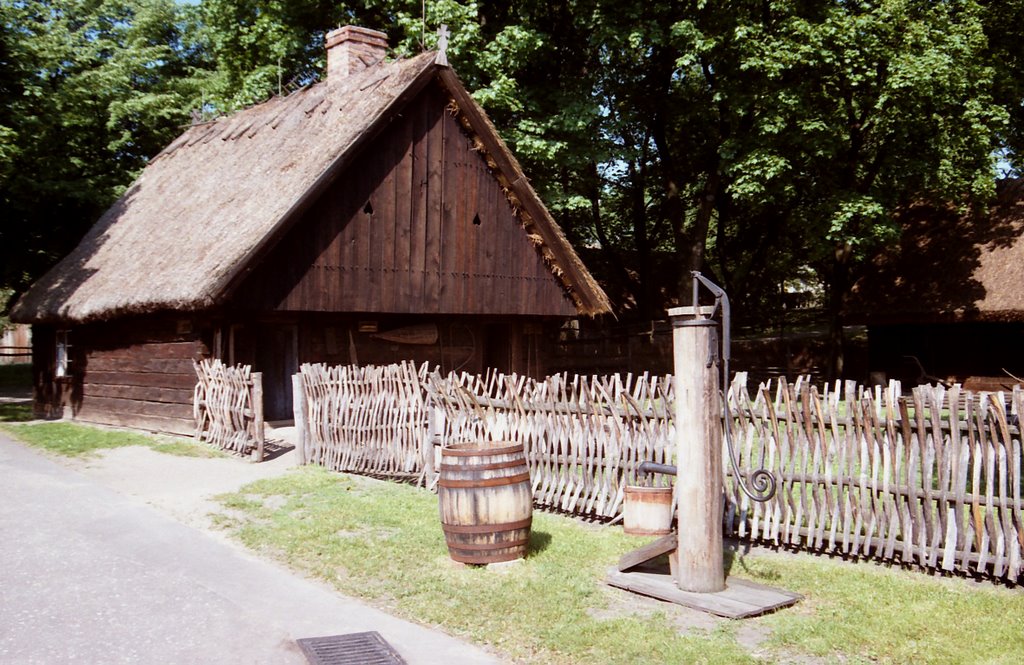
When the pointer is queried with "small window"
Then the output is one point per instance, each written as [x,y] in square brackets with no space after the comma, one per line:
[63,349]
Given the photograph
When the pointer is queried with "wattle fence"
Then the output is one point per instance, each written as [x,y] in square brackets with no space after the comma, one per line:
[932,479]
[227,405]
[368,419]
[584,436]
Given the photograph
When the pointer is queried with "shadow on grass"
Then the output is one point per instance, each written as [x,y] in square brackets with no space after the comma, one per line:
[15,413]
[539,541]
[18,377]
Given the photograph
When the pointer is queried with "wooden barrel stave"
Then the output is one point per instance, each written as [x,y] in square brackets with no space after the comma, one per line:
[485,502]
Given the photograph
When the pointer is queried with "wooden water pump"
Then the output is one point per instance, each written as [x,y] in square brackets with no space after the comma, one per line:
[701,416]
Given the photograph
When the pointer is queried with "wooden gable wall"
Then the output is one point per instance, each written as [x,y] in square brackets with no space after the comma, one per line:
[418,224]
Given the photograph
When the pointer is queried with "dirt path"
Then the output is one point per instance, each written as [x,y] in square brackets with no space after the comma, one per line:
[182,487]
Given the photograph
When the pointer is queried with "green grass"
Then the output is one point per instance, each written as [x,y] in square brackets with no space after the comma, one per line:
[185,448]
[383,542]
[15,413]
[869,613]
[74,440]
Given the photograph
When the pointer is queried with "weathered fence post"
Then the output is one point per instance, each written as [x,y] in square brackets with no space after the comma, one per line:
[301,418]
[257,417]
[698,427]
[427,444]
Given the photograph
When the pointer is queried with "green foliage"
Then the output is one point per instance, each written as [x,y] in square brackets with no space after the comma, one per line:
[758,141]
[90,90]
[1005,54]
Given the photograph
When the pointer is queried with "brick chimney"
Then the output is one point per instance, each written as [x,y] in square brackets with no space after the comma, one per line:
[352,49]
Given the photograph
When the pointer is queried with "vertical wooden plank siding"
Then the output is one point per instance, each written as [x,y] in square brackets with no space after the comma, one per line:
[418,213]
[401,282]
[433,226]
[419,251]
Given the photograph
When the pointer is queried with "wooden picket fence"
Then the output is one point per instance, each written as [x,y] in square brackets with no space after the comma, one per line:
[932,480]
[368,419]
[227,405]
[584,436]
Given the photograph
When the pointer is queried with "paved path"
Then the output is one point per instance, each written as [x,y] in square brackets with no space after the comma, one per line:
[92,576]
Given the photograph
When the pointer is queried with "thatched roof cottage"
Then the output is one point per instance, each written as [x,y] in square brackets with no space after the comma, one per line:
[372,217]
[948,300]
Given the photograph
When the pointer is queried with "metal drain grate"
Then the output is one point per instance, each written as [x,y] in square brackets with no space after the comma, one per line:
[353,649]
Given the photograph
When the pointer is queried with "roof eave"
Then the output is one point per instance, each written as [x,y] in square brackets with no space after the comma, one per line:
[587,295]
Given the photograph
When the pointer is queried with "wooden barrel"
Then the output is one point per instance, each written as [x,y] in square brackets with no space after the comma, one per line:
[486,502]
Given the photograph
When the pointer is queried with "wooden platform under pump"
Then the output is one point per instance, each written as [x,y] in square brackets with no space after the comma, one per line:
[739,600]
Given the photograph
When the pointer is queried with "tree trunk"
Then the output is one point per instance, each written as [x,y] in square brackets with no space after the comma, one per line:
[698,236]
[838,287]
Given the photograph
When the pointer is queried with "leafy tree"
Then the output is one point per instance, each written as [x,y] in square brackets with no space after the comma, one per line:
[1005,54]
[756,140]
[91,90]
[771,136]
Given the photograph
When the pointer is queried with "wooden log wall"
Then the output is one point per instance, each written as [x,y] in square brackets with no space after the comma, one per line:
[132,373]
[366,419]
[228,407]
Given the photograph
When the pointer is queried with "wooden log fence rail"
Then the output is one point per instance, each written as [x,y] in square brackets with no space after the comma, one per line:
[368,419]
[227,406]
[931,479]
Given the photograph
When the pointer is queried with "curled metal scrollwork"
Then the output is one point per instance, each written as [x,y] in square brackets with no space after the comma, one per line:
[762,483]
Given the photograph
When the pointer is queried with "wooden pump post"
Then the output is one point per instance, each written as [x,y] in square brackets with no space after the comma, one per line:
[698,426]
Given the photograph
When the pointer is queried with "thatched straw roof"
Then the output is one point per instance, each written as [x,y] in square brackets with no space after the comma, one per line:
[215,200]
[950,266]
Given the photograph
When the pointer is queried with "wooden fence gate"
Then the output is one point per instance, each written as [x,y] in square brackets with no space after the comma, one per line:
[228,407]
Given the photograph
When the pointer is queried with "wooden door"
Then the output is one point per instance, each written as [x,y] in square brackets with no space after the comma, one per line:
[277,358]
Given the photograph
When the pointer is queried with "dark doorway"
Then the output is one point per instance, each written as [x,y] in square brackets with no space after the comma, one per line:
[277,358]
[497,347]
